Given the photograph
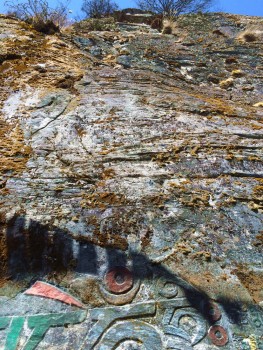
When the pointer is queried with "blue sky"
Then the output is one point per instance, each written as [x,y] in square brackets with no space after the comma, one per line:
[245,7]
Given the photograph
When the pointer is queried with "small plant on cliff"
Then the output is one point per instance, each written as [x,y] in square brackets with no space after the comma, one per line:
[251,34]
[98,8]
[39,13]
[173,8]
[96,24]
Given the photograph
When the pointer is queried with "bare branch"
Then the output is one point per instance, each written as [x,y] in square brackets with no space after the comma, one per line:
[39,12]
[98,8]
[173,8]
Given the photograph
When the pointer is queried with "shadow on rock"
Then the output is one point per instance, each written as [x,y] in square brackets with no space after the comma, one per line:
[36,250]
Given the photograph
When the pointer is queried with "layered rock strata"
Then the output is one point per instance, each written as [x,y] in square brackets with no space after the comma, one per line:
[131,178]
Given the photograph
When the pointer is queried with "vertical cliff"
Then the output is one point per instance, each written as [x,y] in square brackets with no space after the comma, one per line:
[131,174]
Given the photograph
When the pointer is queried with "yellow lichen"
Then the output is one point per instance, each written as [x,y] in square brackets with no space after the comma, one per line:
[225,84]
[237,73]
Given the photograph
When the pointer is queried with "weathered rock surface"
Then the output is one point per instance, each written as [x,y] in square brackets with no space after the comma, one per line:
[137,150]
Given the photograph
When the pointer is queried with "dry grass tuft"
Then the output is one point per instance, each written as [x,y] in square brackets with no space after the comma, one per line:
[167,30]
[251,34]
[169,26]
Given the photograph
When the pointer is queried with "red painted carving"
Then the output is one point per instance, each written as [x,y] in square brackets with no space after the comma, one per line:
[218,335]
[119,280]
[46,290]
[212,311]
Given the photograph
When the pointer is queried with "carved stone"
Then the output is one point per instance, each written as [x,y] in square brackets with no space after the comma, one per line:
[131,186]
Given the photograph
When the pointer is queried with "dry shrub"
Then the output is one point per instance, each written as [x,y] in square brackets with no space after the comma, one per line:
[40,14]
[157,23]
[96,24]
[167,30]
[169,26]
[45,27]
[98,8]
[251,34]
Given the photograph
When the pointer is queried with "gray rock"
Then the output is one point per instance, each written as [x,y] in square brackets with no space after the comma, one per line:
[133,183]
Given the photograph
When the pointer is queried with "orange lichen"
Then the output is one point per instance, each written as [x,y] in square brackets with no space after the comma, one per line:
[183,248]
[108,174]
[217,105]
[258,191]
[102,199]
[202,255]
[56,57]
[198,199]
[13,150]
[251,280]
[104,238]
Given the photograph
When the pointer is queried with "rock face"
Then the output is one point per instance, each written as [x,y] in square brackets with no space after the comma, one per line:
[131,182]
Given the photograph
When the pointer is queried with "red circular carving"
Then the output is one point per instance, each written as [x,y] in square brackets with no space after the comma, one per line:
[213,312]
[119,280]
[218,335]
